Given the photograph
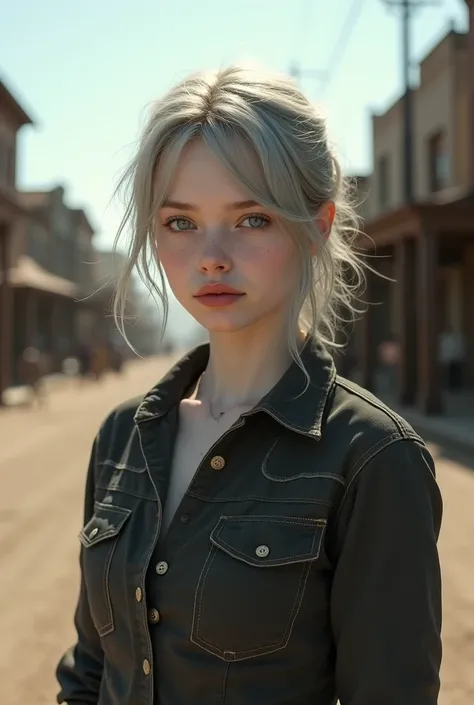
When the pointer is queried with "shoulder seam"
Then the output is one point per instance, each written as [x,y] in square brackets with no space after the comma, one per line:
[370,454]
[404,433]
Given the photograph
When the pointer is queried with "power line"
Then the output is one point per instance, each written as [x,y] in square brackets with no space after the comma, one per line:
[342,42]
[325,76]
[305,17]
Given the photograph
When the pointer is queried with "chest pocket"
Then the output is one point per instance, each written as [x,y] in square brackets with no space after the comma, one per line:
[99,539]
[252,584]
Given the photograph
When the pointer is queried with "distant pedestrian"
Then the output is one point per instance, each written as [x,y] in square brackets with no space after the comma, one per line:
[389,356]
[99,361]
[84,355]
[452,351]
[116,358]
[31,372]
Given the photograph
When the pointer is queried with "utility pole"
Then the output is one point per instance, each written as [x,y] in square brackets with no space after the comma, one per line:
[407,7]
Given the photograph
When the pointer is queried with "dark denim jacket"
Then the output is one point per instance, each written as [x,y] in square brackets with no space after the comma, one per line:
[300,567]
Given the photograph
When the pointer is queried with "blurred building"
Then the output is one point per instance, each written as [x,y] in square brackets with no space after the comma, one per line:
[426,246]
[12,118]
[55,290]
[50,272]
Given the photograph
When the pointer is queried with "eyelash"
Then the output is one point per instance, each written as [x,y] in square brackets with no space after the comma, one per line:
[174,219]
[265,218]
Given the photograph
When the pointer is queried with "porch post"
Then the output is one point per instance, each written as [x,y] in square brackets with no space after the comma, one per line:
[468,323]
[55,330]
[367,343]
[31,318]
[429,369]
[405,293]
[72,307]
[6,311]
[470,90]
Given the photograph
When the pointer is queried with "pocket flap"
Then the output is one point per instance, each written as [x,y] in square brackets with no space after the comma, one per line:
[266,541]
[106,522]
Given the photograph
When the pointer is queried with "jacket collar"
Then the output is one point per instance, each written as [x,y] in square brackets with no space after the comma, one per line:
[295,402]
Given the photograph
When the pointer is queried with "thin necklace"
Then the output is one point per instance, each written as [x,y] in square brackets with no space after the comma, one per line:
[217,417]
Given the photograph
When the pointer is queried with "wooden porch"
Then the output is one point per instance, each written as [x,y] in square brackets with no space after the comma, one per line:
[412,246]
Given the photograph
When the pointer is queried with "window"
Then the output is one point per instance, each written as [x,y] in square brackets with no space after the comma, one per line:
[438,162]
[384,181]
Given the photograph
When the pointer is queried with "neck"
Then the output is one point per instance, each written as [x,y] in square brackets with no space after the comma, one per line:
[243,367]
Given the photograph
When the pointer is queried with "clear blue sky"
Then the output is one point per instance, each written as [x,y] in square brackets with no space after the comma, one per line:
[87,70]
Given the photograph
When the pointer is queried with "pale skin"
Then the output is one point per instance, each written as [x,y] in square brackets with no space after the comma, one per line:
[217,235]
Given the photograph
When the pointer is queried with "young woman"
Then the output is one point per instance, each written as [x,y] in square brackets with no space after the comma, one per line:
[257,529]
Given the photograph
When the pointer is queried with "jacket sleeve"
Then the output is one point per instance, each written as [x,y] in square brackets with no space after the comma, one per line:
[386,592]
[79,672]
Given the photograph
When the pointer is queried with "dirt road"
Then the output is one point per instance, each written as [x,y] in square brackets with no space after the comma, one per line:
[43,456]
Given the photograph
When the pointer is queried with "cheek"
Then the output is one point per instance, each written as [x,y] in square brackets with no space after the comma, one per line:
[271,259]
[171,255]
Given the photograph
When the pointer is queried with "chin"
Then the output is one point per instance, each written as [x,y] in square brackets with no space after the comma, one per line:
[225,326]
[223,321]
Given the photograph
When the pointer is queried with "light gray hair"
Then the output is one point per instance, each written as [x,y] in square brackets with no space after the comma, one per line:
[297,173]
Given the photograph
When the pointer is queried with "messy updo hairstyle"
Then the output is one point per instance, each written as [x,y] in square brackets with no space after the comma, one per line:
[236,112]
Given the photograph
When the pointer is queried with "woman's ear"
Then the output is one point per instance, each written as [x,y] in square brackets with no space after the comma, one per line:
[324,220]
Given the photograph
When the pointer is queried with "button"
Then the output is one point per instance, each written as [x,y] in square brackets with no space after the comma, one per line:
[262,551]
[146,667]
[217,462]
[162,568]
[93,533]
[184,519]
[153,616]
[138,594]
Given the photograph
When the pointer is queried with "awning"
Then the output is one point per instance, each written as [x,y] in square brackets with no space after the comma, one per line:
[28,273]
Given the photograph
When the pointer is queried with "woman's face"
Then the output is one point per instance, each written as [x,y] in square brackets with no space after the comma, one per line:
[210,233]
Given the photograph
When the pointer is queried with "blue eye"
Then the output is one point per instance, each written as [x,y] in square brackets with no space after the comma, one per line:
[182,224]
[255,222]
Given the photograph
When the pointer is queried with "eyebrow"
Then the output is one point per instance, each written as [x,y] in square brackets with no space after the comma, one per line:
[235,206]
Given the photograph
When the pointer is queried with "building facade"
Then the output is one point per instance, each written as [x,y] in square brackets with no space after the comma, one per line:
[51,275]
[55,290]
[12,119]
[426,247]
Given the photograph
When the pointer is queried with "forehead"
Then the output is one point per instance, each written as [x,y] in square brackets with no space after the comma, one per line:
[200,174]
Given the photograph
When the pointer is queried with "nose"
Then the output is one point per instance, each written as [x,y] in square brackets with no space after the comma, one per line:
[214,257]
